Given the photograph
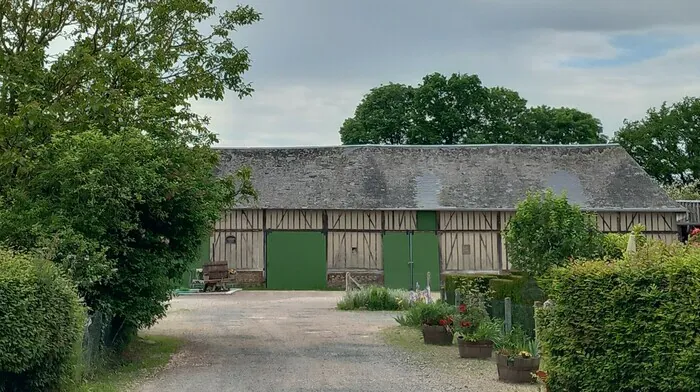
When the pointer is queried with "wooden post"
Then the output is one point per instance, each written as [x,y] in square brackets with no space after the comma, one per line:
[347,282]
[508,315]
[537,306]
[458,297]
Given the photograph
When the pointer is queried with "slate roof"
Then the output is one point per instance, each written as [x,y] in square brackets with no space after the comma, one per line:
[474,177]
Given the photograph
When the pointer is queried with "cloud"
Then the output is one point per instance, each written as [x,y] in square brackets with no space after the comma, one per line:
[314,59]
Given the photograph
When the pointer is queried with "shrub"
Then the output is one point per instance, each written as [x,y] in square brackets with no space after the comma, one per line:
[523,292]
[435,313]
[374,298]
[463,282]
[631,325]
[614,245]
[547,231]
[41,323]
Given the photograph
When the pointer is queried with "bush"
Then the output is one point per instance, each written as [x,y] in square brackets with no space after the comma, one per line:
[523,292]
[631,325]
[547,231]
[464,282]
[375,298]
[41,322]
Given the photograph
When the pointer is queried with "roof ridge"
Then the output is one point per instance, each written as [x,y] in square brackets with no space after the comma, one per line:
[422,146]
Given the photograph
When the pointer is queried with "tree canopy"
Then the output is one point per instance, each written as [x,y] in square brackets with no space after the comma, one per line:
[103,165]
[666,142]
[459,109]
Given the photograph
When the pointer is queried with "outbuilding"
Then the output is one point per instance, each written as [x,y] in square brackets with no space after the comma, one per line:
[389,214]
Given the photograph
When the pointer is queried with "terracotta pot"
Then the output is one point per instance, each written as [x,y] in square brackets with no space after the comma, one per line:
[480,349]
[437,335]
[519,371]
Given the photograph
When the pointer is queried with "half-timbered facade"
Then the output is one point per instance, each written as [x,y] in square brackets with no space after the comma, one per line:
[388,214]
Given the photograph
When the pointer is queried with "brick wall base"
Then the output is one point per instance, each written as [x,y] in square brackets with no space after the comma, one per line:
[336,280]
[244,279]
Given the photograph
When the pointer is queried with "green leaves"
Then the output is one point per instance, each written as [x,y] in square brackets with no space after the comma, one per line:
[104,168]
[41,320]
[628,325]
[459,110]
[547,231]
[666,143]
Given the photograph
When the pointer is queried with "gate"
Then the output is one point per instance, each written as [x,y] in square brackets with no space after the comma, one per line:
[296,260]
[408,257]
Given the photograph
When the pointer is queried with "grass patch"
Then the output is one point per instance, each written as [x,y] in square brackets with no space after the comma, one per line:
[143,357]
[374,298]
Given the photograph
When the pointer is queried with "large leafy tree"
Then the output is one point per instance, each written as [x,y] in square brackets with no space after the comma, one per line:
[103,165]
[666,142]
[459,109]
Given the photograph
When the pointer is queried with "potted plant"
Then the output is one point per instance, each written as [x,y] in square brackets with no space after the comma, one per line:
[437,321]
[475,331]
[477,340]
[517,358]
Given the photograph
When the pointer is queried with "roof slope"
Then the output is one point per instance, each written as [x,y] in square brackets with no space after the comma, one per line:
[597,177]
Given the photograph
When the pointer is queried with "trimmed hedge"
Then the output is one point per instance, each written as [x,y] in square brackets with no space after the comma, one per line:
[631,325]
[41,322]
[454,282]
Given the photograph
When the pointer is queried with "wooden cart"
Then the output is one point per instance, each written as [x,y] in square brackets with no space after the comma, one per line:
[216,276]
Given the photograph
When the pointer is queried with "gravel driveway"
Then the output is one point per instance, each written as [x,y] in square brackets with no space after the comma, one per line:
[289,341]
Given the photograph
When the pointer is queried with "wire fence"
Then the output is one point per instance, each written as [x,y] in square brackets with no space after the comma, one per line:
[95,336]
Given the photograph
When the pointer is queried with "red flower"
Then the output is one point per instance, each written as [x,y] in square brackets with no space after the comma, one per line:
[695,231]
[442,322]
[449,320]
[462,308]
[541,374]
[466,324]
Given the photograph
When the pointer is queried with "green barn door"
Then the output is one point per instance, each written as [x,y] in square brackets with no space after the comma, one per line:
[396,256]
[426,258]
[397,249]
[296,260]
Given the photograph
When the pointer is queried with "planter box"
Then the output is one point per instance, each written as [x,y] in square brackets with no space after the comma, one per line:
[519,371]
[437,335]
[480,349]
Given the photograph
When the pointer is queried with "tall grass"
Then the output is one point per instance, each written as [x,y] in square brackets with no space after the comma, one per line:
[374,298]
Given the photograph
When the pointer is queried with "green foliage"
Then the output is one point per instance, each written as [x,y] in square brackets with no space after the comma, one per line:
[462,283]
[547,231]
[41,323]
[614,245]
[517,342]
[629,325]
[458,109]
[665,142]
[374,298]
[427,313]
[689,191]
[104,168]
[472,312]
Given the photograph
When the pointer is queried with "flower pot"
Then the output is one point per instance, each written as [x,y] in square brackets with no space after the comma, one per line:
[437,335]
[480,349]
[517,371]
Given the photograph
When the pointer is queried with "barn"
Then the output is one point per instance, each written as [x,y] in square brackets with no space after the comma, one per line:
[389,214]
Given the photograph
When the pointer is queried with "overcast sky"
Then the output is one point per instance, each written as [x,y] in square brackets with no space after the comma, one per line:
[313,60]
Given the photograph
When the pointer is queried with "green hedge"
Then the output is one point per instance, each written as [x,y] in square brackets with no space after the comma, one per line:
[632,325]
[41,322]
[454,282]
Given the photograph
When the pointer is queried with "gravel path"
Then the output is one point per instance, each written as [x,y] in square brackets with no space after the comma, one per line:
[290,341]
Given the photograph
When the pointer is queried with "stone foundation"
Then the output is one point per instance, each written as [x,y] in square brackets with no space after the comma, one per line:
[336,280]
[248,279]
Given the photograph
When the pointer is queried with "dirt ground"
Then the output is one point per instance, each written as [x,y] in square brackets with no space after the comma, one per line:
[294,341]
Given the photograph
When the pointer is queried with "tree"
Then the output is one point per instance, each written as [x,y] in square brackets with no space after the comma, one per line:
[381,117]
[103,166]
[547,125]
[547,231]
[459,110]
[666,143]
